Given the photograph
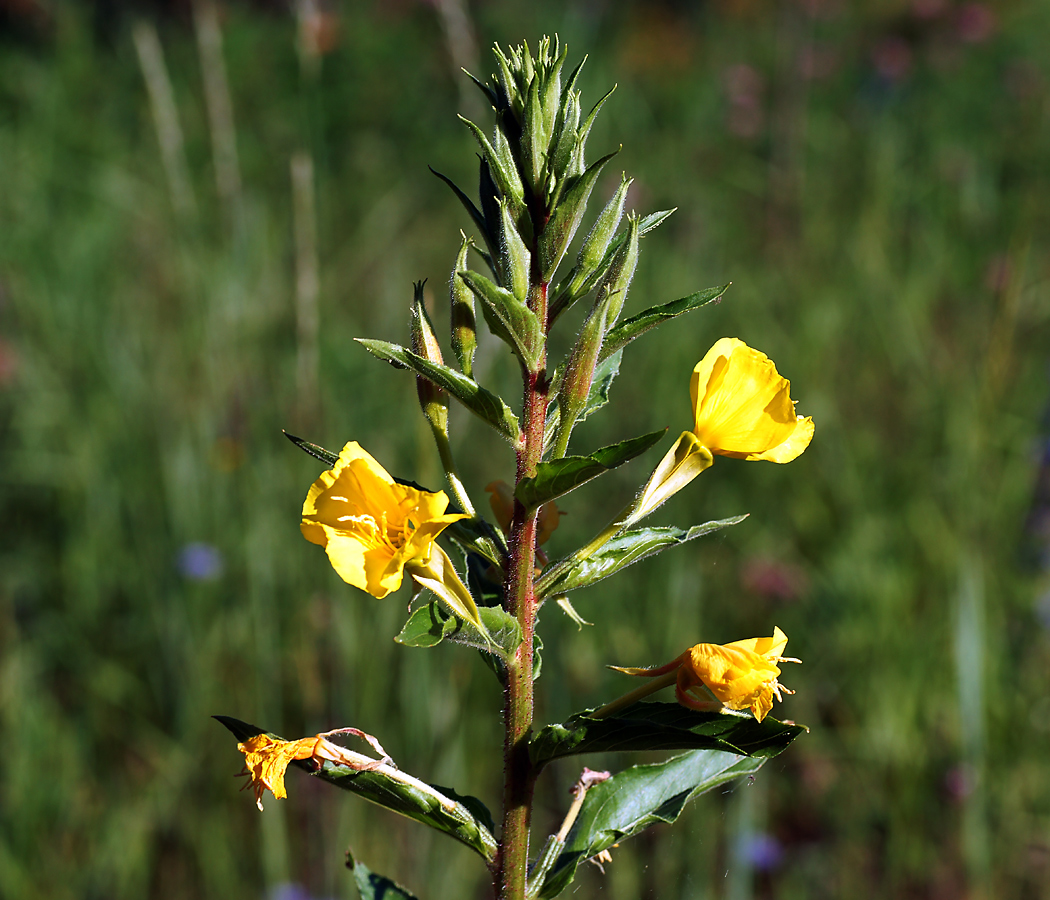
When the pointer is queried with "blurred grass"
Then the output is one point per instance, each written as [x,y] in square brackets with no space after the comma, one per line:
[872,181]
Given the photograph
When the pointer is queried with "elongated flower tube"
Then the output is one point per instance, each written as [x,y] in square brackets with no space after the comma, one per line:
[742,406]
[740,675]
[375,529]
[266,759]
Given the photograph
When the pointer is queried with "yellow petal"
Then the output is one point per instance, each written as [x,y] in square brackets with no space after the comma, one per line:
[369,524]
[792,447]
[770,647]
[736,676]
[742,406]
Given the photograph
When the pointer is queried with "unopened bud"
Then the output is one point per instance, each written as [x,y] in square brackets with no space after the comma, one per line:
[432,399]
[464,322]
[618,280]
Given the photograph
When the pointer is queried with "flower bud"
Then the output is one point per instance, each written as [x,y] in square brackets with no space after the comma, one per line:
[464,321]
[432,399]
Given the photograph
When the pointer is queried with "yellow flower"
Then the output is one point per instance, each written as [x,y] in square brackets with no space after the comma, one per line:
[742,406]
[371,526]
[740,675]
[375,529]
[266,759]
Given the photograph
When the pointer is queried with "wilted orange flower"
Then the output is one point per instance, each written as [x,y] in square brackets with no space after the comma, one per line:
[266,759]
[501,499]
[741,675]
[742,406]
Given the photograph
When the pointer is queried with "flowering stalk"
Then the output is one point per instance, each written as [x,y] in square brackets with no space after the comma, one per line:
[520,594]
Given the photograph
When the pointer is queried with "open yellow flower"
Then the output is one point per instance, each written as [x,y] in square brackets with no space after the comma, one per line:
[375,529]
[266,759]
[370,526]
[743,408]
[740,675]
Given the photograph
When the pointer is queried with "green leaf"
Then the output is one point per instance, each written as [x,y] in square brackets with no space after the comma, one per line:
[662,726]
[620,336]
[373,886]
[467,391]
[468,204]
[315,450]
[429,625]
[636,798]
[623,551]
[504,172]
[395,790]
[553,479]
[519,322]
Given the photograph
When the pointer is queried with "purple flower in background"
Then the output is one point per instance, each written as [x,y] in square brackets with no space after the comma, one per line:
[290,891]
[200,562]
[761,851]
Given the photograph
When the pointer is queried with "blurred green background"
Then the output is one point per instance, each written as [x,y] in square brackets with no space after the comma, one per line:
[871,178]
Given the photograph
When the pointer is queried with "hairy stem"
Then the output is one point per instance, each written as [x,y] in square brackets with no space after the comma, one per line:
[519,775]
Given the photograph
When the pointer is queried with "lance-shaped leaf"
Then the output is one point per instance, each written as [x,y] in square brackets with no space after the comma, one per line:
[519,323]
[315,450]
[393,789]
[373,886]
[467,391]
[475,214]
[662,726]
[620,336]
[621,552]
[604,374]
[504,172]
[553,479]
[636,798]
[429,625]
[568,214]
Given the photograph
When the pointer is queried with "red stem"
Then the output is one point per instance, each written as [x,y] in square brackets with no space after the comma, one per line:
[519,775]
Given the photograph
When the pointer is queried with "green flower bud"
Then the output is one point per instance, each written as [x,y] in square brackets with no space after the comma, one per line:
[432,399]
[516,258]
[464,319]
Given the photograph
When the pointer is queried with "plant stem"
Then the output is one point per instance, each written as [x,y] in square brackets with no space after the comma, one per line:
[519,775]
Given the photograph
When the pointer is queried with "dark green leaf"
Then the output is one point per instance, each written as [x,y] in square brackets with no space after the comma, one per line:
[429,625]
[636,798]
[475,213]
[373,886]
[553,479]
[662,726]
[317,452]
[467,391]
[519,323]
[637,325]
[623,551]
[394,790]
